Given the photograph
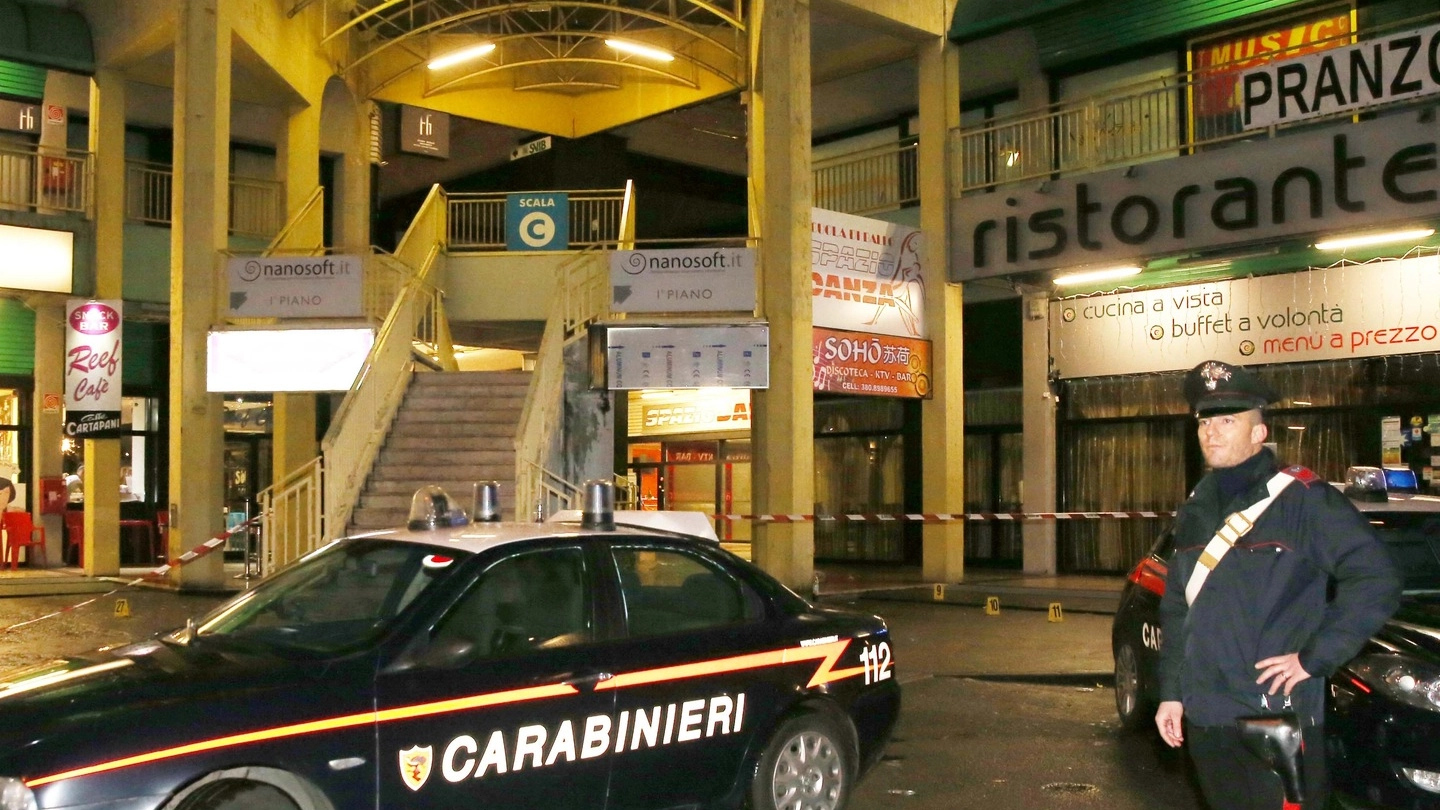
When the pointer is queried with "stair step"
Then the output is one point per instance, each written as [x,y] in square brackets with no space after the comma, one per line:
[468,442]
[451,456]
[426,473]
[457,486]
[460,379]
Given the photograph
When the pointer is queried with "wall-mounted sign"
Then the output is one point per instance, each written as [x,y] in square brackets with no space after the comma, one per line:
[241,360]
[1376,71]
[534,147]
[1365,310]
[20,116]
[92,368]
[871,365]
[295,287]
[1215,96]
[537,221]
[866,275]
[37,259]
[638,357]
[1344,177]
[691,280]
[707,410]
[424,132]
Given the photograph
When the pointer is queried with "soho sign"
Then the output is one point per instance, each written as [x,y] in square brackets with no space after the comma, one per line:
[1340,178]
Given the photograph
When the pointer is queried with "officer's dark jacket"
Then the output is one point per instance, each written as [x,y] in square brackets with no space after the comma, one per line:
[1267,597]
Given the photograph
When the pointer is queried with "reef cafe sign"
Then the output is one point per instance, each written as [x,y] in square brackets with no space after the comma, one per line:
[1341,178]
[92,368]
[1359,310]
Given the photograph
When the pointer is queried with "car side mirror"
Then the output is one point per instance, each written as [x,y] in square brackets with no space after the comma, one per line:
[448,653]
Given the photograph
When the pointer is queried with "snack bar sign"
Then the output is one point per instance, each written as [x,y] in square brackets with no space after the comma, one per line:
[295,287]
[1366,310]
[92,368]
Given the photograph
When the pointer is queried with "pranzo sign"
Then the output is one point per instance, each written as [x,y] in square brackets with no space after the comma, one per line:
[1401,66]
[1344,177]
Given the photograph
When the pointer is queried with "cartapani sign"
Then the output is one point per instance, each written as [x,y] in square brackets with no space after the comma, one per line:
[691,280]
[1362,310]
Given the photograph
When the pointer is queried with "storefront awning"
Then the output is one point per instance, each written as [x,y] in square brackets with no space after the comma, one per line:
[45,36]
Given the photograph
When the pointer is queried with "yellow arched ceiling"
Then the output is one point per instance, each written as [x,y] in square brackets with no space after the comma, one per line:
[551,69]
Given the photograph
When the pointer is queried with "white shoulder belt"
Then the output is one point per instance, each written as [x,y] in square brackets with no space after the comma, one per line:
[1234,527]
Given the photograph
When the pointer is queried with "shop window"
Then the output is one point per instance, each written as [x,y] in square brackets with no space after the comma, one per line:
[12,440]
[140,456]
[536,600]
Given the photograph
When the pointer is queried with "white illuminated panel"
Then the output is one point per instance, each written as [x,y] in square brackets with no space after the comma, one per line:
[286,359]
[37,259]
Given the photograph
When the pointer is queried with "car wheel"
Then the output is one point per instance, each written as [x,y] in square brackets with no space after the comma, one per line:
[1130,704]
[808,765]
[236,794]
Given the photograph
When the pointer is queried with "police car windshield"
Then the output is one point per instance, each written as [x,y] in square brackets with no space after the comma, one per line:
[342,598]
[1413,540]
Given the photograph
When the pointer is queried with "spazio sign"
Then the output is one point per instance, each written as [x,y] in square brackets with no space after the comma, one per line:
[1344,177]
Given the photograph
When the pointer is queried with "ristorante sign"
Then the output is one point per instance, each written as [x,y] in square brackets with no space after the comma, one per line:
[1341,178]
[1365,310]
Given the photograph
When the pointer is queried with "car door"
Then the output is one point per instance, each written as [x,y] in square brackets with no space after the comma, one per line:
[686,685]
[496,706]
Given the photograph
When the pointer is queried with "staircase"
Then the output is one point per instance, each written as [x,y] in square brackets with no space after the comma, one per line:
[453,429]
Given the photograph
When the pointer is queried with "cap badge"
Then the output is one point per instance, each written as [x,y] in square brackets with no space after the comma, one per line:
[1214,374]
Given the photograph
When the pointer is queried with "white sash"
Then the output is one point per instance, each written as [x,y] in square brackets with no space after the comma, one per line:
[1235,527]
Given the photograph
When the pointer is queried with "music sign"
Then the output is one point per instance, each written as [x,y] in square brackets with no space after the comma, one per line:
[92,368]
[867,364]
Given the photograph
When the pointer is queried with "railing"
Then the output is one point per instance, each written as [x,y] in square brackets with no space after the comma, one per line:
[583,282]
[477,220]
[359,428]
[257,206]
[870,181]
[44,179]
[291,518]
[1150,120]
[304,234]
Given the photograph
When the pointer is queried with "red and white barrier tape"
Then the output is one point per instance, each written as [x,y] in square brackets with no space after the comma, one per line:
[159,573]
[942,518]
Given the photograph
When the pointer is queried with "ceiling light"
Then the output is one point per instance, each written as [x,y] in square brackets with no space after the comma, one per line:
[641,50]
[462,55]
[1106,274]
[1362,240]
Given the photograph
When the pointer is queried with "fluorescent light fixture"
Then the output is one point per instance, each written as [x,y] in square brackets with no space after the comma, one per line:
[641,50]
[462,55]
[1362,240]
[286,359]
[37,259]
[1304,403]
[1104,274]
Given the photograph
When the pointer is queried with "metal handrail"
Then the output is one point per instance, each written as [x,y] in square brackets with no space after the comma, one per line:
[312,213]
[291,517]
[1136,123]
[45,179]
[257,205]
[869,181]
[477,219]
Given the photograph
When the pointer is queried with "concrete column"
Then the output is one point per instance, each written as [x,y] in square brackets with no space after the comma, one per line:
[942,417]
[1038,414]
[198,234]
[47,461]
[352,188]
[101,480]
[298,163]
[783,473]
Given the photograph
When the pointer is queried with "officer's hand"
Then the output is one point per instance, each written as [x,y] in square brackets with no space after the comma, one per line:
[1284,669]
[1168,718]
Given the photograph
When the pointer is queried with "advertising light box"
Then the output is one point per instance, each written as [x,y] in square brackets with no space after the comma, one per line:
[291,360]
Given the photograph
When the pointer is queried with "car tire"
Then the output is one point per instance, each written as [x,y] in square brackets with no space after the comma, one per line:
[809,764]
[1130,704]
[237,794]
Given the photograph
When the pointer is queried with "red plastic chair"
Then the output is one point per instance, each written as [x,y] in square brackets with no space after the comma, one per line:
[75,535]
[20,532]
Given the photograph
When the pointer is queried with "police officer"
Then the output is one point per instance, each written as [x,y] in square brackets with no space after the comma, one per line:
[1248,630]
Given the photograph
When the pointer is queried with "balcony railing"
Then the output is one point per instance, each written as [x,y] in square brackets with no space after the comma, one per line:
[477,220]
[1152,120]
[37,178]
[257,206]
[869,181]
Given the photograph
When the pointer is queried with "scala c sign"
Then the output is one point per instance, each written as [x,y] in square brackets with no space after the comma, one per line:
[537,221]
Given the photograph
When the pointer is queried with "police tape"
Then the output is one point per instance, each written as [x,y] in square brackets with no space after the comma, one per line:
[155,575]
[972,517]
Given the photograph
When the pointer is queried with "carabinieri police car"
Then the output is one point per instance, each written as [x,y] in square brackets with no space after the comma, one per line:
[604,662]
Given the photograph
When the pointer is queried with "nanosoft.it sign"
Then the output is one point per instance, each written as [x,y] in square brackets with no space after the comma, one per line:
[295,287]
[1342,178]
[1365,310]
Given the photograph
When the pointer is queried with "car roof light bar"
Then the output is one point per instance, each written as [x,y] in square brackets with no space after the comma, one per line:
[599,511]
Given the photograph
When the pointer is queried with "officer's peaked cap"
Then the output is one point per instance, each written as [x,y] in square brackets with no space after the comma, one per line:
[1216,387]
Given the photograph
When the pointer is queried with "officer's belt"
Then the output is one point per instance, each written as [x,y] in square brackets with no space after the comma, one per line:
[1234,527]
